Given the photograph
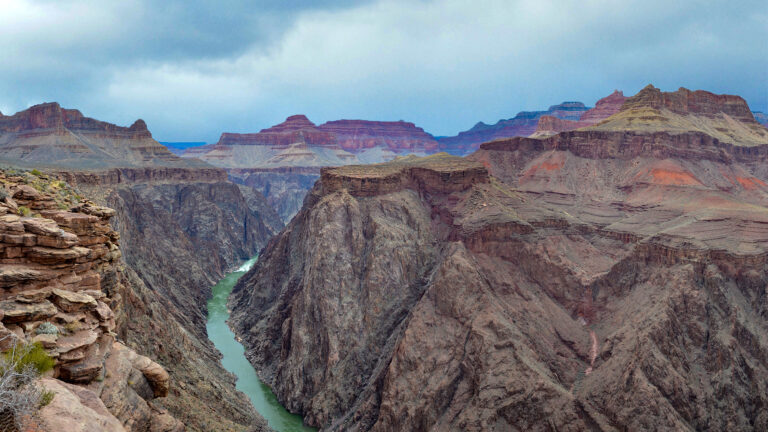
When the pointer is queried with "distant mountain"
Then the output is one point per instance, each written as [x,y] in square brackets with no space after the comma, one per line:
[49,135]
[523,124]
[178,148]
[282,162]
[297,142]
[761,117]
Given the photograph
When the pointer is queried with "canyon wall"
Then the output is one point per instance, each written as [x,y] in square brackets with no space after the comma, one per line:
[182,226]
[593,280]
[63,287]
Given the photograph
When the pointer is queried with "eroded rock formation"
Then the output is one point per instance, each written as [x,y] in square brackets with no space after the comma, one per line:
[182,225]
[60,284]
[597,279]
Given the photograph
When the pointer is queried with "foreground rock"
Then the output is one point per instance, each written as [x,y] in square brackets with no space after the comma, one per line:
[182,226]
[63,296]
[598,279]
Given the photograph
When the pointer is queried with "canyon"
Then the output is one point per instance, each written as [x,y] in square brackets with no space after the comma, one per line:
[607,278]
[605,271]
[182,225]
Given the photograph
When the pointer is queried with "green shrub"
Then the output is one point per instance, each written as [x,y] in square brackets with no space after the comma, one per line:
[46,397]
[24,211]
[36,172]
[33,356]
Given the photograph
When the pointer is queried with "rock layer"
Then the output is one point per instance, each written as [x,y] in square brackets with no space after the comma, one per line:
[593,280]
[523,124]
[48,135]
[60,286]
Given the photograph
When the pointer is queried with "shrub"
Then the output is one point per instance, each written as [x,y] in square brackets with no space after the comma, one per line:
[31,356]
[72,326]
[24,211]
[36,172]
[47,328]
[46,397]
[20,396]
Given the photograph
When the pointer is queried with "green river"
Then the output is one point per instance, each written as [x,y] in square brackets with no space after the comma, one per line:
[234,359]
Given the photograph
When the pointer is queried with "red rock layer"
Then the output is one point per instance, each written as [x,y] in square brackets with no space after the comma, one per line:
[53,116]
[356,135]
[604,108]
[294,129]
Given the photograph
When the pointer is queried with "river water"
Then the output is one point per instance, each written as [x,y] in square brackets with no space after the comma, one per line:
[234,359]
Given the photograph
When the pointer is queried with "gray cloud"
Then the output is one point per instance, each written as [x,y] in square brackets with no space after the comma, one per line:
[193,69]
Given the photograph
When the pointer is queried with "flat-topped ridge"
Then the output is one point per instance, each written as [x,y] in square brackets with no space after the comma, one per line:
[440,172]
[684,101]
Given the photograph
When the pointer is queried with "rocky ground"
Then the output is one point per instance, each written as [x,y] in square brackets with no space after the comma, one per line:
[606,279]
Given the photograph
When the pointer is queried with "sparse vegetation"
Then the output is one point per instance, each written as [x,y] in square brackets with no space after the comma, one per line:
[20,395]
[47,328]
[36,173]
[72,326]
[24,211]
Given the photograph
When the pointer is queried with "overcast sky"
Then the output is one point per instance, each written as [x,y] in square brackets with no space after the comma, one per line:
[195,68]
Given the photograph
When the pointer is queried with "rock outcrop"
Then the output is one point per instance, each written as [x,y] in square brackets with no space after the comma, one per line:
[597,279]
[60,281]
[724,117]
[604,108]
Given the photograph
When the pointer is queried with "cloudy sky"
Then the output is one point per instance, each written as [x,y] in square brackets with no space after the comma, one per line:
[195,68]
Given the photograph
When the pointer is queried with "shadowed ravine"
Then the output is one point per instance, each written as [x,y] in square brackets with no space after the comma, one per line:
[234,359]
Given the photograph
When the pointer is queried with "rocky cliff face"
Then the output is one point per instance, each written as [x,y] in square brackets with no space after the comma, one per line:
[284,188]
[179,238]
[523,124]
[182,225]
[48,135]
[593,280]
[61,282]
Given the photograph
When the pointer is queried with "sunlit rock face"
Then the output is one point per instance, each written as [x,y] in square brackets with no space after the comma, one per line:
[606,278]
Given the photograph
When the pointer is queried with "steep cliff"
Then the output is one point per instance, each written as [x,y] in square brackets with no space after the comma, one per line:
[179,238]
[62,280]
[182,225]
[284,188]
[592,280]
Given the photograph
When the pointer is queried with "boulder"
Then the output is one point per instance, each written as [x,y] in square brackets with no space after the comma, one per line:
[75,409]
[70,301]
